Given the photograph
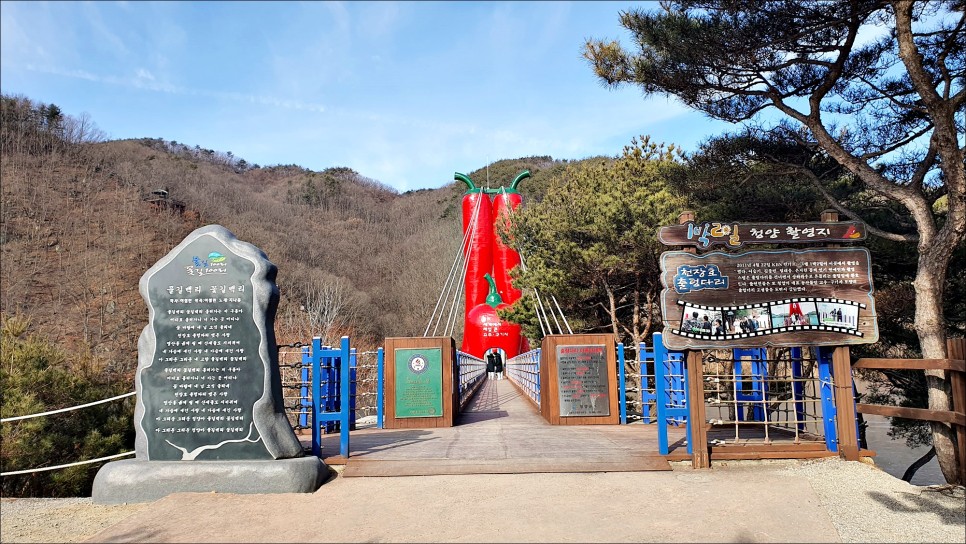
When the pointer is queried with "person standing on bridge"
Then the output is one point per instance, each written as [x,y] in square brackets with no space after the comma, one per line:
[499,365]
[491,366]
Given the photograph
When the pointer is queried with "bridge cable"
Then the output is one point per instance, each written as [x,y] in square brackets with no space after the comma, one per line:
[460,289]
[562,316]
[464,266]
[443,295]
[523,266]
[446,287]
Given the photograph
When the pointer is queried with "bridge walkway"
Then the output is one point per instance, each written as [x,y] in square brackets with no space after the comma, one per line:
[500,432]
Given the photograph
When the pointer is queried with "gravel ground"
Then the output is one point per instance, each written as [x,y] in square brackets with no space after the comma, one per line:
[58,520]
[865,504]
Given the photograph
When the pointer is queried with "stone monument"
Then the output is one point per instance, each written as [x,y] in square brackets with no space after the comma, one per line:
[209,414]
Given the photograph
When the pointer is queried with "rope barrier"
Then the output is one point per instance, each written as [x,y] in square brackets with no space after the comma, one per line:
[44,469]
[18,418]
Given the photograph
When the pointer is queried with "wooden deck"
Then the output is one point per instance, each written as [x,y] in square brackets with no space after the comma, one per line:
[500,432]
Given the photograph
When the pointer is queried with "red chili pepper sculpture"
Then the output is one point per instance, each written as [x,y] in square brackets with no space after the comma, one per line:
[483,329]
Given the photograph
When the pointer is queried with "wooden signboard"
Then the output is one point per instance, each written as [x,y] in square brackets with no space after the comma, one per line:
[420,382]
[579,377]
[778,298]
[707,234]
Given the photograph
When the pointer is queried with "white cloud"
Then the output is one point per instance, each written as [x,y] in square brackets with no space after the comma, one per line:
[145,81]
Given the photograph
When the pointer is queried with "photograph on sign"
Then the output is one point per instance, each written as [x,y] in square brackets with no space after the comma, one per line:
[794,314]
[767,298]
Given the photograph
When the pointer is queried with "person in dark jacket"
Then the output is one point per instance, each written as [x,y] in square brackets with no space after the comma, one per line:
[491,366]
[499,365]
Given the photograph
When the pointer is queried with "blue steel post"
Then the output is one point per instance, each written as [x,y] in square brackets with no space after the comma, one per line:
[304,401]
[623,383]
[316,393]
[380,379]
[660,392]
[824,356]
[331,384]
[344,394]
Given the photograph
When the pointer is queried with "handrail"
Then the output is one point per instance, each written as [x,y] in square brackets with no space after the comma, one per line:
[470,373]
[956,365]
[957,377]
[524,372]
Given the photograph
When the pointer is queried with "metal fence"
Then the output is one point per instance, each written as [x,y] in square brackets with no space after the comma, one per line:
[524,371]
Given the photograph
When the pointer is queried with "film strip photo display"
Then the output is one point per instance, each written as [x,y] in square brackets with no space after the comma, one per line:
[768,298]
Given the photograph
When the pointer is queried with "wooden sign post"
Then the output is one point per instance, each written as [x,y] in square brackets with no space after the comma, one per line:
[804,297]
[420,382]
[578,377]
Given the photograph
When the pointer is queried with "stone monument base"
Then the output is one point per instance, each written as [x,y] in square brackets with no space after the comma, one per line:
[133,480]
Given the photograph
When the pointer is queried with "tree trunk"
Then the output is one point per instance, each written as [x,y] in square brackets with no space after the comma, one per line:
[612,310]
[929,283]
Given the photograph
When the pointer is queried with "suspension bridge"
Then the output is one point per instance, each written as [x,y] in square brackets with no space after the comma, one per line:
[577,403]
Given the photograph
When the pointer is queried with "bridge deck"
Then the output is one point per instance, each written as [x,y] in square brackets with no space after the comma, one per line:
[500,432]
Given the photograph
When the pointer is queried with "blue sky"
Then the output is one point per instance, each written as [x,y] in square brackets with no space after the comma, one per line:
[403,92]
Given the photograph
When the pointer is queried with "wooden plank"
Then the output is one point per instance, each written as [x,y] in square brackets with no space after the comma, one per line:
[956,349]
[753,456]
[802,446]
[697,418]
[952,364]
[956,418]
[845,404]
[437,467]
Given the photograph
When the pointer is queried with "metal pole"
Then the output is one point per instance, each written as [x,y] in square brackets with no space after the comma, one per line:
[380,386]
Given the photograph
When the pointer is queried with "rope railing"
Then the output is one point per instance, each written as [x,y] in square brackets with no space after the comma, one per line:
[44,469]
[51,412]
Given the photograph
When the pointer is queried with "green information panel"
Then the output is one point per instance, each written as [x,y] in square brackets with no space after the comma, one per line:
[419,382]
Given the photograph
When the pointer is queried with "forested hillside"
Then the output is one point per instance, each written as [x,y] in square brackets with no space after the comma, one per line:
[83,219]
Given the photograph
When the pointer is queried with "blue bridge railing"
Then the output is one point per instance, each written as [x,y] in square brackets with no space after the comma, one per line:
[524,371]
[472,372]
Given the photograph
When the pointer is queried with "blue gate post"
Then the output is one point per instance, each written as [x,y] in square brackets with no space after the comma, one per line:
[344,408]
[316,393]
[756,398]
[332,375]
[824,356]
[380,384]
[660,392]
[623,383]
[304,401]
[663,365]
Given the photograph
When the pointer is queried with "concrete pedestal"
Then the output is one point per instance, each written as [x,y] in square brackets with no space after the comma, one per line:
[132,480]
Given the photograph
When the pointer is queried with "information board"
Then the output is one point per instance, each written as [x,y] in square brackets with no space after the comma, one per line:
[582,380]
[758,298]
[206,374]
[419,382]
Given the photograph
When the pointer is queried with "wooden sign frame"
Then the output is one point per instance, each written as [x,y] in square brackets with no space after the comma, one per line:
[450,400]
[732,234]
[549,379]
